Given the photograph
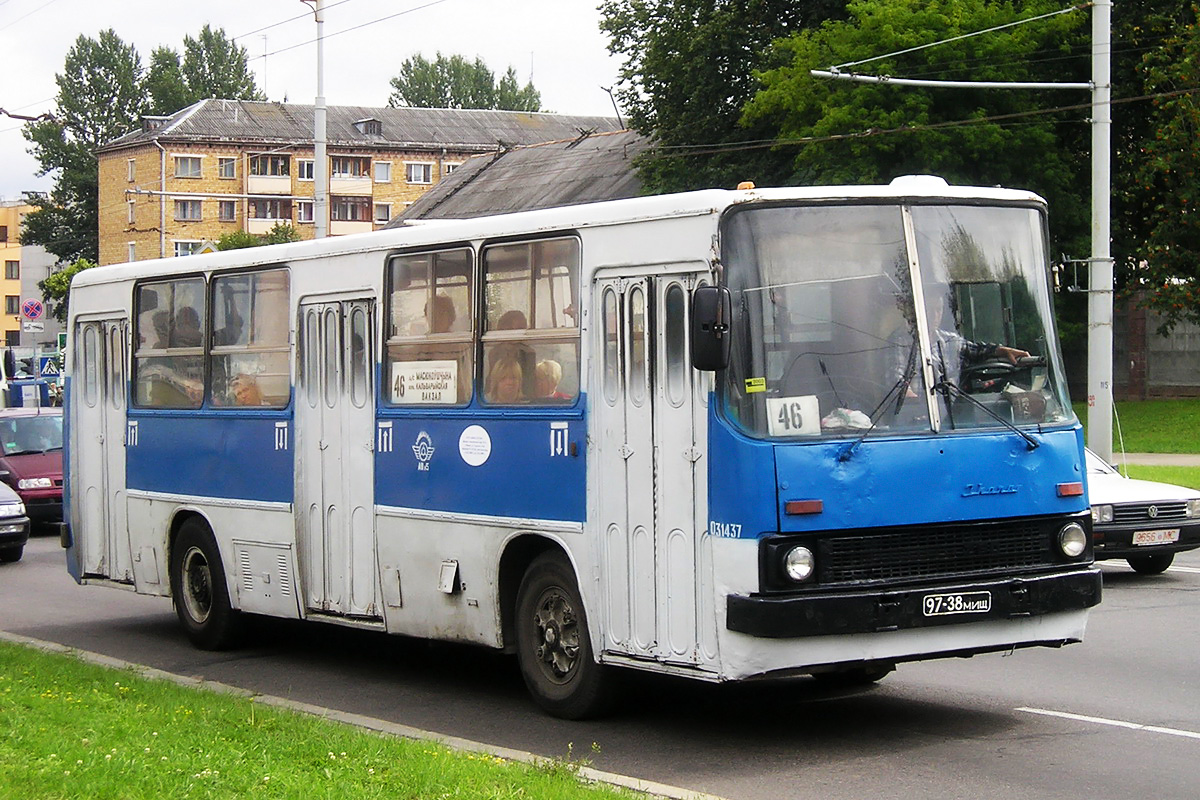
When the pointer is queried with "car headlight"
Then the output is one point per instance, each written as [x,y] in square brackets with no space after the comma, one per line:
[1072,539]
[799,564]
[12,510]
[1102,514]
[1193,507]
[34,483]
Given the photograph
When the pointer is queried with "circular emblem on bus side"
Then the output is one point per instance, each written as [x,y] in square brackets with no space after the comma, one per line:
[475,445]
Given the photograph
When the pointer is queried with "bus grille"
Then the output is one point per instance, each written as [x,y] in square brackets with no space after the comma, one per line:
[921,553]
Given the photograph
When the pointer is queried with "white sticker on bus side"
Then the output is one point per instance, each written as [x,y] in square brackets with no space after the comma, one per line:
[474,445]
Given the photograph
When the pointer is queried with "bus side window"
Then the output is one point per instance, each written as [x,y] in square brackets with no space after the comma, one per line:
[531,319]
[169,362]
[250,357]
[430,353]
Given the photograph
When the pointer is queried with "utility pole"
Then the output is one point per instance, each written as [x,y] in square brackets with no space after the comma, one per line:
[1100,273]
[320,162]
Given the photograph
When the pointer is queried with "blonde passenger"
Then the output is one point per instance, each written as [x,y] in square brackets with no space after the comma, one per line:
[504,383]
[546,377]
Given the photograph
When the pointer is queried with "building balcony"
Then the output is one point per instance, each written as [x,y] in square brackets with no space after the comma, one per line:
[360,186]
[260,226]
[269,184]
[342,227]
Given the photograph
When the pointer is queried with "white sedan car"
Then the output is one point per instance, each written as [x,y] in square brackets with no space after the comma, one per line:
[1143,522]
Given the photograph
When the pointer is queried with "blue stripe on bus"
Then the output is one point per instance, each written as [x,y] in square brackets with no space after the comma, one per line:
[242,456]
[531,464]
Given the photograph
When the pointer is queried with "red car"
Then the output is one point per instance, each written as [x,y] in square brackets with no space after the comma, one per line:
[31,446]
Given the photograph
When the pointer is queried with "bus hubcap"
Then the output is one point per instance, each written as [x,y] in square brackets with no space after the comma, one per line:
[558,635]
[197,585]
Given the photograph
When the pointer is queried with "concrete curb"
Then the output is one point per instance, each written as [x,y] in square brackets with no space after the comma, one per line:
[588,774]
[1158,459]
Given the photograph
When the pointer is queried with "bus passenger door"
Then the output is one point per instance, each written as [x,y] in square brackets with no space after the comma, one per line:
[98,425]
[647,463]
[335,420]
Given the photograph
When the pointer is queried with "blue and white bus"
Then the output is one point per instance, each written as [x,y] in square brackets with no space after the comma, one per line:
[724,435]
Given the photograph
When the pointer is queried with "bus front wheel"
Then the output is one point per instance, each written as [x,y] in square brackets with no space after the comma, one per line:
[553,645]
[199,590]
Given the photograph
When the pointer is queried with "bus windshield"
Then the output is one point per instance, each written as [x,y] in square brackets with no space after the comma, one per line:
[830,338]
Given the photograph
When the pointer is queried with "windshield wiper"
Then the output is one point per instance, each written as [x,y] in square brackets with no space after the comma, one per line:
[898,388]
[945,384]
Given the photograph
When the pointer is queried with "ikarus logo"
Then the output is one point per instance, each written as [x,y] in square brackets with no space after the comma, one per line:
[423,450]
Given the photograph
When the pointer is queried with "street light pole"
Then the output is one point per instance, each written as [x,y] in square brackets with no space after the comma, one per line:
[320,162]
[1100,283]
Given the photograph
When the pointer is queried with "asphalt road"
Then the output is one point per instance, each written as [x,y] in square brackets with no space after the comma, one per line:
[1115,717]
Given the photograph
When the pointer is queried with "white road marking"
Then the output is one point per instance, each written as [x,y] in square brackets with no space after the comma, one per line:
[1193,570]
[1116,723]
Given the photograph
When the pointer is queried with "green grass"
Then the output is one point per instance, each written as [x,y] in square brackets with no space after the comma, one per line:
[1155,426]
[71,729]
[1180,476]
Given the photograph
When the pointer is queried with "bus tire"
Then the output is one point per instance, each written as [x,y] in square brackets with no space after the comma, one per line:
[199,591]
[11,554]
[852,677]
[1153,564]
[553,645]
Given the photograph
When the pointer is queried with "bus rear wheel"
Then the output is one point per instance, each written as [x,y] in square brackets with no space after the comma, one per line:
[1151,564]
[553,645]
[199,590]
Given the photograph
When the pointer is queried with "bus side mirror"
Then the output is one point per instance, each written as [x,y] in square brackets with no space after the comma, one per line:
[711,310]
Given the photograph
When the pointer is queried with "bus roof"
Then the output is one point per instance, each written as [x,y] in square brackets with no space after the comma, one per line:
[610,212]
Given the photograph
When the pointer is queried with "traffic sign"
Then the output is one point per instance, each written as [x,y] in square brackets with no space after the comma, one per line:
[32,308]
[48,366]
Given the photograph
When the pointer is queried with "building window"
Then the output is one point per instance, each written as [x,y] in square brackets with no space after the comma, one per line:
[349,209]
[129,169]
[226,168]
[130,208]
[383,172]
[418,173]
[264,208]
[304,169]
[131,255]
[227,210]
[304,210]
[12,338]
[3,233]
[186,247]
[349,166]
[187,166]
[270,165]
[187,210]
[383,213]
[448,168]
[12,270]
[12,304]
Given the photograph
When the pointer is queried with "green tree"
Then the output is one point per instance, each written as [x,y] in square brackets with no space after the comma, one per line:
[100,97]
[853,123]
[454,82]
[688,69]
[56,288]
[212,66]
[1156,175]
[279,233]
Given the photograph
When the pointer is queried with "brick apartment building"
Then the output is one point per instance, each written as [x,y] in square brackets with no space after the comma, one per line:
[223,165]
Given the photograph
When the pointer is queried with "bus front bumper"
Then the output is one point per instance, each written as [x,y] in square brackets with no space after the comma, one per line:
[901,609]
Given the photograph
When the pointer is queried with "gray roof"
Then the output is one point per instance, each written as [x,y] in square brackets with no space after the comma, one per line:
[263,122]
[586,169]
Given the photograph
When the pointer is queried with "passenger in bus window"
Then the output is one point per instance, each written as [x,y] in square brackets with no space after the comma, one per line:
[187,331]
[246,391]
[505,382]
[547,376]
[441,314]
[521,352]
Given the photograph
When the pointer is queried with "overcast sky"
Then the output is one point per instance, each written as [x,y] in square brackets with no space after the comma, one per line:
[556,43]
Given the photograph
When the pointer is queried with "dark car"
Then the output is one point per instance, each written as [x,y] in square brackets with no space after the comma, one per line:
[31,446]
[1143,522]
[14,525]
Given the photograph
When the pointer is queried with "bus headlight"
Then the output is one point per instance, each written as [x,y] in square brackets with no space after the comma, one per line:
[1072,540]
[799,564]
[1102,514]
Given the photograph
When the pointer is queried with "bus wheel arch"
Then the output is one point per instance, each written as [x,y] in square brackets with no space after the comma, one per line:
[199,589]
[552,640]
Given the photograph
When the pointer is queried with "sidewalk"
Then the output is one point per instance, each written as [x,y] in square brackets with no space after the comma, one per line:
[1158,459]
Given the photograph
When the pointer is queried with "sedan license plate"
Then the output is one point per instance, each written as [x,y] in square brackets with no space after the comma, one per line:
[940,605]
[1156,537]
